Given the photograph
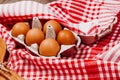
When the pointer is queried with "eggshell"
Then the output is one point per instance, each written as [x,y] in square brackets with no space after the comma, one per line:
[20,28]
[49,47]
[66,37]
[56,26]
[35,35]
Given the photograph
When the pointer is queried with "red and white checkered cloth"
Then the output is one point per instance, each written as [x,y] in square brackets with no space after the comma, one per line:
[96,61]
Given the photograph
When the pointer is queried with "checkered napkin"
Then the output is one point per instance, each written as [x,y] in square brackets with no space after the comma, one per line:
[95,61]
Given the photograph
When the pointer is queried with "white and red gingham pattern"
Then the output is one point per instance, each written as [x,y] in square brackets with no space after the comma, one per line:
[86,64]
[77,11]
[112,54]
[69,13]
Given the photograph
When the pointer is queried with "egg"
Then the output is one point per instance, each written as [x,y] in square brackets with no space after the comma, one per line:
[56,26]
[34,35]
[20,28]
[66,37]
[49,47]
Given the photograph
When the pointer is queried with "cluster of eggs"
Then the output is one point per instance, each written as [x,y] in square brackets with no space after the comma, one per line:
[47,46]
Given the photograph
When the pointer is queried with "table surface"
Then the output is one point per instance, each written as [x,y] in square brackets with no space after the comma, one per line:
[11,1]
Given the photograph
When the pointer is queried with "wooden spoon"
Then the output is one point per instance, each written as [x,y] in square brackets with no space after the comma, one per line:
[2,50]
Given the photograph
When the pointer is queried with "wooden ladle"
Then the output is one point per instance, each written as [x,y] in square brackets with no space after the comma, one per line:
[2,50]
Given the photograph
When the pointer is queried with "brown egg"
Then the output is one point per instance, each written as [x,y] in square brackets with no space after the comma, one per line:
[20,28]
[35,35]
[66,37]
[49,47]
[56,26]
